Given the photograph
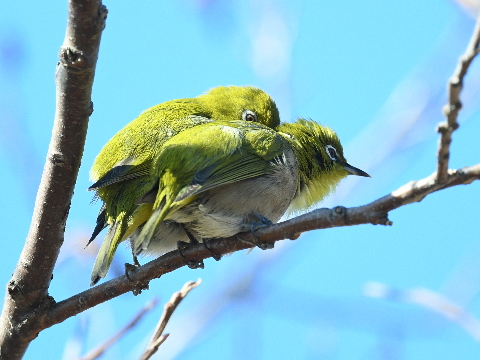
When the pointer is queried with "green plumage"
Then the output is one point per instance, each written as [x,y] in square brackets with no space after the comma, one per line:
[191,164]
[216,191]
[161,178]
[120,171]
[318,173]
[134,147]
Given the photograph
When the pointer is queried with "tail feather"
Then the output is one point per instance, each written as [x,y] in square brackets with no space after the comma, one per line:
[106,252]
[148,231]
[101,224]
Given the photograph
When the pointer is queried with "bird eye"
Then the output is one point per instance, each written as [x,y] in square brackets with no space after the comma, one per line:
[332,152]
[249,115]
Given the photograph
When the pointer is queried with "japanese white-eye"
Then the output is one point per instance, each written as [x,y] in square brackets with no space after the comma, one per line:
[204,190]
[120,171]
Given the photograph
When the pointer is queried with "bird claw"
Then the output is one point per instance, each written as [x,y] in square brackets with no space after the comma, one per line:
[192,264]
[262,222]
[265,245]
[216,256]
[139,286]
[262,219]
[261,245]
[254,226]
[131,267]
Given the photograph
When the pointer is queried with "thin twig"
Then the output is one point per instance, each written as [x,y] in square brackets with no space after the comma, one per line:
[27,299]
[160,341]
[432,301]
[454,104]
[157,337]
[99,350]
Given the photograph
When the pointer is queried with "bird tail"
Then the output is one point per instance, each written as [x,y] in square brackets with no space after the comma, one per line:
[106,252]
[101,224]
[148,231]
[121,229]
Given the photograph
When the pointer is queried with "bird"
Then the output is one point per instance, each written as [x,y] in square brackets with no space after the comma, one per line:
[121,170]
[222,178]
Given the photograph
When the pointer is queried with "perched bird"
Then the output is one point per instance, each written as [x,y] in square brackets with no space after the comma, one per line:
[121,170]
[250,180]
[216,191]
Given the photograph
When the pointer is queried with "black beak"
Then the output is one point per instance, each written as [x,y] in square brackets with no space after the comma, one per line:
[352,170]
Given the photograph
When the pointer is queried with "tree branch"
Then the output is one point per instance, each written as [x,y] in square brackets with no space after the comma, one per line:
[100,350]
[430,300]
[157,337]
[27,298]
[454,105]
[28,308]
[374,213]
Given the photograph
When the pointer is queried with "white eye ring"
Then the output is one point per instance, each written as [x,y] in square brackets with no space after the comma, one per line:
[331,149]
[249,115]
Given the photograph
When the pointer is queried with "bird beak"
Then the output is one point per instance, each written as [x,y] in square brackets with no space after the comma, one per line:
[352,170]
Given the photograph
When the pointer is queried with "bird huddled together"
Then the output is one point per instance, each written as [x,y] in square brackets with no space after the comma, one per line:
[189,170]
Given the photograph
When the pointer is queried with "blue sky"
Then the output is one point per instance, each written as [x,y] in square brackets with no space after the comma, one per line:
[373,71]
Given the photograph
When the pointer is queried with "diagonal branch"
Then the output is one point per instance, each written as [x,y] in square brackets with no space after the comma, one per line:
[454,105]
[157,337]
[100,350]
[430,300]
[27,296]
[374,213]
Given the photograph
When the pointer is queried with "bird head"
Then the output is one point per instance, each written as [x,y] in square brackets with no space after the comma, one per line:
[320,160]
[246,103]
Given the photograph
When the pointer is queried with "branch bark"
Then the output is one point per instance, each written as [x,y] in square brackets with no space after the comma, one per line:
[375,213]
[26,298]
[158,338]
[454,105]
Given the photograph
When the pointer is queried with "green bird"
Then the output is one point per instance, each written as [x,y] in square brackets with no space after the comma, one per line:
[121,170]
[251,180]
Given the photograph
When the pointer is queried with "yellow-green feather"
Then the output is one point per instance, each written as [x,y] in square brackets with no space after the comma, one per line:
[318,173]
[246,151]
[142,138]
[138,143]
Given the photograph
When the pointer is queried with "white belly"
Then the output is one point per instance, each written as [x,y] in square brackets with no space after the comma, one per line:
[230,209]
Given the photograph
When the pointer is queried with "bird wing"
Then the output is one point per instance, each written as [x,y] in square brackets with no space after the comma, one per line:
[243,166]
[133,148]
[126,169]
[203,158]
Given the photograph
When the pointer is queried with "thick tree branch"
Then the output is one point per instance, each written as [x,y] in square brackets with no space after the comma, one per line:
[27,298]
[454,105]
[374,213]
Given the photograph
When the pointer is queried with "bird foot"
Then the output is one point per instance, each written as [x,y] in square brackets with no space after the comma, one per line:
[254,226]
[192,264]
[216,256]
[139,286]
[131,267]
[262,222]
[261,245]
